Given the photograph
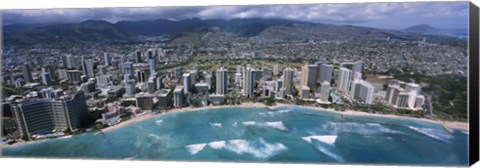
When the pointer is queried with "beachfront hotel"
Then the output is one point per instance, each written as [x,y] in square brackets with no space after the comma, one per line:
[221,81]
[40,116]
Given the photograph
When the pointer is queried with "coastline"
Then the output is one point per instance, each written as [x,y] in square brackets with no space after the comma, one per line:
[462,126]
[448,125]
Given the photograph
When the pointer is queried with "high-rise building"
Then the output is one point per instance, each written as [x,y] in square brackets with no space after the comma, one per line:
[144,101]
[46,78]
[413,87]
[238,79]
[402,100]
[419,101]
[325,90]
[366,93]
[71,63]
[165,98]
[101,69]
[138,57]
[178,72]
[128,69]
[248,82]
[104,80]
[343,80]
[392,93]
[151,85]
[281,93]
[221,81]
[325,73]
[278,84]
[208,80]
[357,76]
[357,67]
[130,88]
[309,75]
[42,116]
[276,70]
[76,109]
[187,83]
[74,76]
[305,92]
[141,76]
[34,117]
[88,87]
[178,96]
[150,54]
[107,59]
[27,73]
[238,69]
[152,64]
[258,74]
[62,74]
[64,61]
[288,81]
[87,67]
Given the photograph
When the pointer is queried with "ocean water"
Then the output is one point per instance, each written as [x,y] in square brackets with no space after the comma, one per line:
[287,134]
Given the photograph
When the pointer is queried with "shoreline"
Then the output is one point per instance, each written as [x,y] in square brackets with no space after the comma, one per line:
[447,125]
[462,126]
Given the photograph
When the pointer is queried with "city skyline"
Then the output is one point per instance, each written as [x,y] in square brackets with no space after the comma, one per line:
[443,15]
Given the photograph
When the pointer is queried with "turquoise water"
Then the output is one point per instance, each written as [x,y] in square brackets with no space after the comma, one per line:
[287,134]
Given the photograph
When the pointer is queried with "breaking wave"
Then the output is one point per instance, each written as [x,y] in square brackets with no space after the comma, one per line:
[65,137]
[195,148]
[277,124]
[328,152]
[351,127]
[273,113]
[273,124]
[246,123]
[158,122]
[328,139]
[259,149]
[217,144]
[154,136]
[219,125]
[433,133]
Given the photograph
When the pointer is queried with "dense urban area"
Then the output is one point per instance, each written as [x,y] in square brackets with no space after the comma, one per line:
[69,83]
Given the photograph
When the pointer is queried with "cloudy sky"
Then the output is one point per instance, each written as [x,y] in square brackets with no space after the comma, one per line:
[379,15]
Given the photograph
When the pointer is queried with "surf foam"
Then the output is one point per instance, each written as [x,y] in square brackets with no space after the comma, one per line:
[195,148]
[273,124]
[277,124]
[259,149]
[361,128]
[217,144]
[219,125]
[436,134]
[158,122]
[246,123]
[328,139]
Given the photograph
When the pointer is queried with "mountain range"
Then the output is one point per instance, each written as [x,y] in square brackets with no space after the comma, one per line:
[427,29]
[127,31]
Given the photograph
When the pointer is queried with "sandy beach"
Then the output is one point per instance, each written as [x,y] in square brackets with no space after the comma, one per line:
[448,124]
